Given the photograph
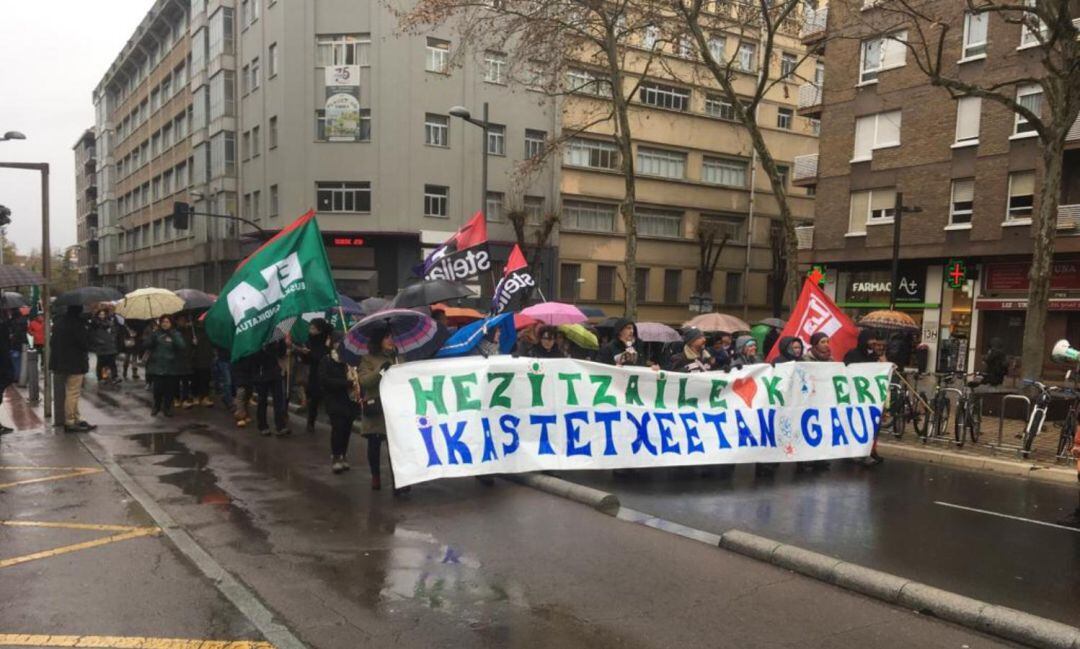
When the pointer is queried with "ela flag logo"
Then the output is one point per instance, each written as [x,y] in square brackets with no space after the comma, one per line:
[462,256]
[516,282]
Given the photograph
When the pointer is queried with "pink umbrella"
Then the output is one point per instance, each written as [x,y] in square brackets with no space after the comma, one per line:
[555,313]
[655,332]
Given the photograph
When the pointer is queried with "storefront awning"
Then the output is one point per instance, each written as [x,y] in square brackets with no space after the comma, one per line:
[1021,304]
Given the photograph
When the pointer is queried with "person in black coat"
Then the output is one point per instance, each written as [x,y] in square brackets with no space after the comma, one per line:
[693,357]
[339,395]
[312,354]
[7,367]
[625,348]
[70,359]
[866,351]
[546,346]
[996,362]
[266,377]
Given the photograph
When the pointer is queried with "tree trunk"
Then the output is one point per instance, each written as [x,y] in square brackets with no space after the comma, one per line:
[624,141]
[790,244]
[1043,231]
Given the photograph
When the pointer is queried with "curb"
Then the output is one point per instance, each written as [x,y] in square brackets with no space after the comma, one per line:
[974,614]
[1026,470]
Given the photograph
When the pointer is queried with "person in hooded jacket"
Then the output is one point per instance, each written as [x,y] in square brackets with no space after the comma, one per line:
[382,355]
[318,346]
[103,330]
[338,393]
[625,348]
[996,363]
[746,351]
[791,350]
[547,346]
[866,351]
[693,357]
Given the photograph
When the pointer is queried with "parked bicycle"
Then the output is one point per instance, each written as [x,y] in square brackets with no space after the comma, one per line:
[1067,428]
[968,410]
[905,406]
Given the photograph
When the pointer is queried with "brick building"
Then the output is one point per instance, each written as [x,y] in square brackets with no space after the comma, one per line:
[973,167]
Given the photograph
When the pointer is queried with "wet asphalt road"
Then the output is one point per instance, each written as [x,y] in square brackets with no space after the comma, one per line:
[453,564]
[889,518]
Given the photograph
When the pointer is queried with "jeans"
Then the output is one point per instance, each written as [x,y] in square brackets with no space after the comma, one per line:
[221,371]
[164,392]
[340,431]
[275,389]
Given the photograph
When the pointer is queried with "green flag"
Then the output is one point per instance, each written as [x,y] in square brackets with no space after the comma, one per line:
[285,278]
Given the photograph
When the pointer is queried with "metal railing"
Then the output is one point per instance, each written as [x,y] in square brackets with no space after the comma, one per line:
[1074,132]
[804,235]
[809,95]
[805,167]
[814,21]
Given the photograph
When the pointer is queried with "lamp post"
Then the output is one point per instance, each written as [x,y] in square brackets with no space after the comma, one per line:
[485,125]
[898,211]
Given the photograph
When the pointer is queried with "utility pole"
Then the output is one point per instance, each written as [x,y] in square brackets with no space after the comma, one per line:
[898,211]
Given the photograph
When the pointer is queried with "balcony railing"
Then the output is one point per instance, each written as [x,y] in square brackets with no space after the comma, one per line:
[809,95]
[806,169]
[1068,217]
[814,22]
[1074,132]
[805,237]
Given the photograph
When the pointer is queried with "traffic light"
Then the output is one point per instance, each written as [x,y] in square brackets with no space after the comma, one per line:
[181,215]
[5,216]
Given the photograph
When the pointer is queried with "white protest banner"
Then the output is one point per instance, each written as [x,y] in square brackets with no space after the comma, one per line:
[474,416]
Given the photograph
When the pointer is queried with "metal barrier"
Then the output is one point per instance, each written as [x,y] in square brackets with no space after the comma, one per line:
[1001,420]
[31,373]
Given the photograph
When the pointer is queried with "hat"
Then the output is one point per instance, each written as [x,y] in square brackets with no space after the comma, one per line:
[691,334]
[742,341]
[816,338]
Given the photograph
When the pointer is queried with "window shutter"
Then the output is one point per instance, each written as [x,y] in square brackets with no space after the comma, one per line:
[860,205]
[864,136]
[968,115]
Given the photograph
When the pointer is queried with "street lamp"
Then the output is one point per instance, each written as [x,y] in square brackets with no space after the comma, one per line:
[12,135]
[485,125]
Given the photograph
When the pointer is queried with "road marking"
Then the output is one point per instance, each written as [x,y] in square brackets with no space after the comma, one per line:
[123,642]
[72,472]
[1009,516]
[126,532]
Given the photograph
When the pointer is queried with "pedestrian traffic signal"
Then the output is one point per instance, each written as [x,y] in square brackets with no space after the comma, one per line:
[5,216]
[181,214]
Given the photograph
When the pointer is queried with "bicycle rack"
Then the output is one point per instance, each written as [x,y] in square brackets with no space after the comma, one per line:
[1001,421]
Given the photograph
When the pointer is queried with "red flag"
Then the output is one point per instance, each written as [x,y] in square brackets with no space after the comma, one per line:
[515,262]
[814,313]
[472,233]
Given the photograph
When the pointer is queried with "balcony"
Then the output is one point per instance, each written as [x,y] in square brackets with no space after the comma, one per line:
[804,235]
[809,102]
[806,170]
[1074,132]
[813,28]
[1068,217]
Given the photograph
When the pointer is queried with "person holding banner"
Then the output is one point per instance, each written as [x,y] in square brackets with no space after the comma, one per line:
[867,350]
[546,347]
[626,348]
[693,357]
[372,368]
[746,352]
[819,351]
[339,394]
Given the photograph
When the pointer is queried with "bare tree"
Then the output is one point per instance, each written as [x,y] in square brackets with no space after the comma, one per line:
[929,32]
[608,47]
[696,24]
[541,234]
[711,238]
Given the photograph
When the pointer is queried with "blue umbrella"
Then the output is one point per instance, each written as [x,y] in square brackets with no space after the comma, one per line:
[349,305]
[466,339]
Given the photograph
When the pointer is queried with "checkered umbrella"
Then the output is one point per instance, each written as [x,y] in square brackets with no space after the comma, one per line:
[18,276]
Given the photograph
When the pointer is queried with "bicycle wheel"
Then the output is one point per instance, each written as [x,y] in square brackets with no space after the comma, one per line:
[1033,428]
[941,416]
[961,422]
[920,416]
[899,420]
[1068,433]
[975,421]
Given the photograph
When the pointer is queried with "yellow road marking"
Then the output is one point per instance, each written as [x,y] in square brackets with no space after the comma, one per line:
[76,526]
[124,642]
[72,472]
[127,532]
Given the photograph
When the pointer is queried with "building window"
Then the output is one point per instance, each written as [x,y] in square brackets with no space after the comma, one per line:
[256,201]
[596,154]
[672,280]
[963,201]
[733,288]
[272,59]
[659,223]
[783,171]
[1021,195]
[245,79]
[256,74]
[436,130]
[686,48]
[493,206]
[365,124]
[273,200]
[1030,97]
[716,49]
[661,96]
[496,140]
[256,142]
[588,217]
[569,274]
[534,143]
[245,145]
[875,132]
[784,117]
[222,94]
[435,198]
[342,49]
[720,171]
[223,154]
[273,132]
[494,67]
[788,63]
[650,37]
[716,106]
[730,227]
[343,196]
[657,162]
[968,115]
[869,207]
[220,39]
[880,54]
[438,55]
[1029,36]
[534,209]
[587,83]
[975,34]
[641,282]
[605,283]
[747,59]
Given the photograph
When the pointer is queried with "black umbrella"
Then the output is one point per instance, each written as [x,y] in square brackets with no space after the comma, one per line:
[88,295]
[373,305]
[607,323]
[13,300]
[195,299]
[430,291]
[19,276]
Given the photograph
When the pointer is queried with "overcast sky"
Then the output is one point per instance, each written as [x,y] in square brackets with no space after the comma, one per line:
[52,56]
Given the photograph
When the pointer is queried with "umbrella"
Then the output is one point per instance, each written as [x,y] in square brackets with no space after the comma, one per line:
[775,323]
[717,322]
[466,339]
[349,305]
[87,295]
[19,276]
[888,320]
[458,315]
[580,336]
[416,335]
[149,303]
[373,305]
[430,291]
[555,313]
[522,321]
[608,323]
[592,312]
[13,300]
[195,299]
[655,332]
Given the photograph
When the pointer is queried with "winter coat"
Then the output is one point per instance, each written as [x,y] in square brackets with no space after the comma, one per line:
[264,365]
[7,367]
[202,352]
[335,385]
[316,350]
[862,353]
[371,367]
[167,349]
[688,361]
[70,345]
[36,329]
[997,364]
[538,351]
[786,355]
[185,358]
[103,337]
[609,352]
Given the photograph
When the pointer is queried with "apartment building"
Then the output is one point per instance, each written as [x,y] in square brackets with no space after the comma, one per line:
[264,109]
[86,218]
[695,168]
[970,166]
